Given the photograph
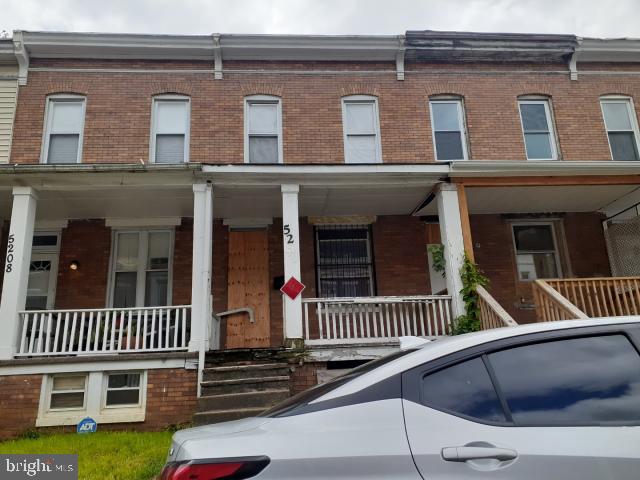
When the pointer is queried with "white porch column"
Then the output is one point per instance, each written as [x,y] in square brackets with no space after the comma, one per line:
[291,240]
[201,307]
[16,269]
[452,239]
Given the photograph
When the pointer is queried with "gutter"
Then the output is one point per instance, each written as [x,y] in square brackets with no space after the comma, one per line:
[8,169]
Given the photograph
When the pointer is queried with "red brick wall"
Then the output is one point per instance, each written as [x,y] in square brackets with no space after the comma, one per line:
[305,376]
[400,251]
[171,400]
[182,261]
[118,112]
[172,397]
[88,242]
[19,399]
[585,255]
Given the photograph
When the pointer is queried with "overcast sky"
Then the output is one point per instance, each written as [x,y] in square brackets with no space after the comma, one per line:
[598,18]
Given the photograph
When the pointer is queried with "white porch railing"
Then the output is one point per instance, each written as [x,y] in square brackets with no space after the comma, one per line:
[100,331]
[374,319]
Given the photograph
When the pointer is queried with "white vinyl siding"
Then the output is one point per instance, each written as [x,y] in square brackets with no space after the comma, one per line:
[537,128]
[64,126]
[448,127]
[8,97]
[361,128]
[170,130]
[622,128]
[263,129]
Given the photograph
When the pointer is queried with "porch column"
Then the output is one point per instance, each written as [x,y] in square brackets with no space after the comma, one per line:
[452,239]
[201,307]
[291,240]
[16,268]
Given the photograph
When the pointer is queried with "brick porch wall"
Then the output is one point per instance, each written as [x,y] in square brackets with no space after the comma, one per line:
[171,400]
[584,255]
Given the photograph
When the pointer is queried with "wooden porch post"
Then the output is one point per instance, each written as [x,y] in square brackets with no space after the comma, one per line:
[464,220]
[16,269]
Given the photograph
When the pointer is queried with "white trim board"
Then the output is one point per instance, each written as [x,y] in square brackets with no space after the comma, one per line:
[97,366]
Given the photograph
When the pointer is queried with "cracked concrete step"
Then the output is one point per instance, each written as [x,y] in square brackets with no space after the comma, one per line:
[262,399]
[230,372]
[242,385]
[217,416]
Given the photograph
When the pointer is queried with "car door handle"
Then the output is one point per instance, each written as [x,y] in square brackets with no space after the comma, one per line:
[463,454]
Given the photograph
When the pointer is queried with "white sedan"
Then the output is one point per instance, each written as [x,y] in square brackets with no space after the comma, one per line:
[548,400]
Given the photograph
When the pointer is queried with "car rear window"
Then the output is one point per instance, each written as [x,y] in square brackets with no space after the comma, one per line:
[463,389]
[578,381]
[296,402]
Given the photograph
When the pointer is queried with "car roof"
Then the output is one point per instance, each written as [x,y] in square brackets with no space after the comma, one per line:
[447,345]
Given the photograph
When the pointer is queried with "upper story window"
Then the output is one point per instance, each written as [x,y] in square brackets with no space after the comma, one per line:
[361,129]
[622,127]
[170,129]
[537,128]
[64,124]
[263,129]
[449,137]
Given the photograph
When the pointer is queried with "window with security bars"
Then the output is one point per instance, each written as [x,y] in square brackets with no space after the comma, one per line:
[344,261]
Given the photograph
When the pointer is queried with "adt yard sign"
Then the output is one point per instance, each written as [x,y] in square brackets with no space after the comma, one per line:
[87,425]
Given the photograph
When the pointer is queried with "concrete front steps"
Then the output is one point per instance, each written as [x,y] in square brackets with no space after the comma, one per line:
[235,390]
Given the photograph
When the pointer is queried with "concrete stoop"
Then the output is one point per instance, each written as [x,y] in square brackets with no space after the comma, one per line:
[235,390]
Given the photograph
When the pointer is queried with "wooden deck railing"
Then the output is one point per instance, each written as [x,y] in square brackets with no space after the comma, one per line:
[601,297]
[374,319]
[492,315]
[105,330]
[551,305]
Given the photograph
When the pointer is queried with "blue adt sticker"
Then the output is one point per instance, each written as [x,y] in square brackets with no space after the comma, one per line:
[87,425]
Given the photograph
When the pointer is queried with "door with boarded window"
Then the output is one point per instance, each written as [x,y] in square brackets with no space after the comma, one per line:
[248,286]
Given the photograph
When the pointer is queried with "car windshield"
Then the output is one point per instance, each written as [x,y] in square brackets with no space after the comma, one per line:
[318,391]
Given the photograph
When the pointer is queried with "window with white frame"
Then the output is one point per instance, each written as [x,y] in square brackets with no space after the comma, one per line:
[122,389]
[67,392]
[170,129]
[537,128]
[141,268]
[448,126]
[106,396]
[344,264]
[536,251]
[361,129]
[263,129]
[64,125]
[622,127]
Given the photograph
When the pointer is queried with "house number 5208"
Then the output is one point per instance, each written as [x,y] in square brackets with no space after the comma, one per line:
[10,253]
[287,234]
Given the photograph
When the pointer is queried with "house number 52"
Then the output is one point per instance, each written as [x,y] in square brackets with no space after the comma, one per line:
[10,253]
[287,234]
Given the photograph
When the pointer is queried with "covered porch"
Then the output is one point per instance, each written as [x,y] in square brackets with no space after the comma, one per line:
[556,247]
[139,260]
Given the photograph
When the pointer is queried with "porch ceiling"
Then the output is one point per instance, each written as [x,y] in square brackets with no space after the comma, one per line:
[112,202]
[259,202]
[579,198]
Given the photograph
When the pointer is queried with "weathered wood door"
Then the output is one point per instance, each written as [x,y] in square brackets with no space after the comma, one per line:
[248,286]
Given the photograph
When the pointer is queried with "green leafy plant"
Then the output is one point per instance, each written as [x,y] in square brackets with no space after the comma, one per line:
[471,277]
[437,257]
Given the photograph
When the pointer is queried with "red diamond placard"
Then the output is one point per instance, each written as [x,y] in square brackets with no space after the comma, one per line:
[292,288]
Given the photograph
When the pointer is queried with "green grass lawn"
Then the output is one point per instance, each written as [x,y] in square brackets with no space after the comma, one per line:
[103,455]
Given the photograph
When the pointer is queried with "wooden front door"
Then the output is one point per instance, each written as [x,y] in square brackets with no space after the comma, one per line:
[248,286]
